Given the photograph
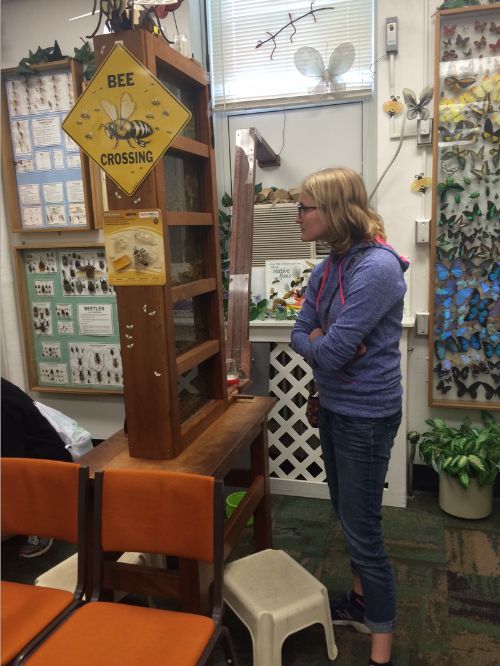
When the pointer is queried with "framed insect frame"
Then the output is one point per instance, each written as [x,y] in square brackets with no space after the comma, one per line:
[70,319]
[46,175]
[464,366]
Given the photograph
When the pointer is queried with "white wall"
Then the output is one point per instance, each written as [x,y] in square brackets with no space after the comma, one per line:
[29,23]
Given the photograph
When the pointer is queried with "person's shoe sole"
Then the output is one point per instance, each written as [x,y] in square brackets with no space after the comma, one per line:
[362,628]
[38,552]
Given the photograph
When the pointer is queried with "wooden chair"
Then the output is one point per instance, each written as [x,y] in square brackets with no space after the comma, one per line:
[46,498]
[175,514]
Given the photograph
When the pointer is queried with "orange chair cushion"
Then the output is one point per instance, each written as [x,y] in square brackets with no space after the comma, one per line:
[114,634]
[40,497]
[166,512]
[26,610]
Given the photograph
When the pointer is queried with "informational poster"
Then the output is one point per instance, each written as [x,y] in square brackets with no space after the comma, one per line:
[72,318]
[134,247]
[48,164]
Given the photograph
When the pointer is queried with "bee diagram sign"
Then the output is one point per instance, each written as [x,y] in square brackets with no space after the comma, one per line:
[125,119]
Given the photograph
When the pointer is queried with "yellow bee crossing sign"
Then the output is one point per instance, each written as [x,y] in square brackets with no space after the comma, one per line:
[125,119]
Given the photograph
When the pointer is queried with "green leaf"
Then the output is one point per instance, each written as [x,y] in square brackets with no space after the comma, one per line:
[457,198]
[477,463]
[464,479]
[487,419]
[258,188]
[226,200]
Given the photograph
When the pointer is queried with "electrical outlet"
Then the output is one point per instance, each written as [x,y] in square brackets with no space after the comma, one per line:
[422,230]
[424,132]
[422,323]
[391,34]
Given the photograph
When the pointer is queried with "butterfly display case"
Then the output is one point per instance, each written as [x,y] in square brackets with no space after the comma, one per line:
[464,368]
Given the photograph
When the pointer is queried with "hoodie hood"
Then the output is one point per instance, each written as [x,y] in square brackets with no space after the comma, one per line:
[342,263]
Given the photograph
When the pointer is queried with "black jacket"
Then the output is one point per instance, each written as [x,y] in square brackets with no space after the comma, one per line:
[25,432]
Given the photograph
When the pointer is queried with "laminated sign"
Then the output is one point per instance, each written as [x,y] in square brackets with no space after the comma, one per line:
[125,119]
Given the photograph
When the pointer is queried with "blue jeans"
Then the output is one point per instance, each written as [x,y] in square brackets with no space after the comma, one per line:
[356,453]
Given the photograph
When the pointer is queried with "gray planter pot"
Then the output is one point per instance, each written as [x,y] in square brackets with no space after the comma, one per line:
[473,502]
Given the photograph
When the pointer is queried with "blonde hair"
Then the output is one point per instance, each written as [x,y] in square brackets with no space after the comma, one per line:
[341,197]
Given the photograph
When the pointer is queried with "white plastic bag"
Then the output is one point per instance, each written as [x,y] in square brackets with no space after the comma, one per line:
[77,440]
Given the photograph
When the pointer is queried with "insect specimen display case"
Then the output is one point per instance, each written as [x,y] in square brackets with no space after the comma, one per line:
[172,336]
[70,319]
[46,176]
[465,243]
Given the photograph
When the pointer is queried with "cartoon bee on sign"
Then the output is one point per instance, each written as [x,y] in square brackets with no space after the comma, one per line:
[121,128]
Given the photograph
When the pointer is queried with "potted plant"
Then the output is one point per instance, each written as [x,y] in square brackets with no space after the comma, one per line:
[467,460]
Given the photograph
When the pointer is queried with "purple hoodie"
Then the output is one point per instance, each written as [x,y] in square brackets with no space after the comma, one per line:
[355,298]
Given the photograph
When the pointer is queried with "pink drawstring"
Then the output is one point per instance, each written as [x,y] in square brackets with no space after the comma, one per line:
[342,299]
[325,276]
[323,282]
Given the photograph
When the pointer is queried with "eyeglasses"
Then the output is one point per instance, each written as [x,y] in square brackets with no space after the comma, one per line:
[301,209]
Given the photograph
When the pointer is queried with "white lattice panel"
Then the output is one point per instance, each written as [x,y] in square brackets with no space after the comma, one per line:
[294,448]
[295,462]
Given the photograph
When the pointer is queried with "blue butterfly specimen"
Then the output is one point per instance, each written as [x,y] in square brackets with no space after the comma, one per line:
[443,271]
[463,295]
[490,349]
[494,273]
[478,308]
[474,342]
[442,346]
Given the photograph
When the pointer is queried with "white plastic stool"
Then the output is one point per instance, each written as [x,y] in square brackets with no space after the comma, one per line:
[274,596]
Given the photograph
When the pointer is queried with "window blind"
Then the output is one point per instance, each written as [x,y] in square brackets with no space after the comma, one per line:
[244,76]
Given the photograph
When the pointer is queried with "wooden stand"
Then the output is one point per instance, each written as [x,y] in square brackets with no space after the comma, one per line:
[174,374]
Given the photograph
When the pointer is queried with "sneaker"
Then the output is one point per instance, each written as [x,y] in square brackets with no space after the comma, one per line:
[346,612]
[35,546]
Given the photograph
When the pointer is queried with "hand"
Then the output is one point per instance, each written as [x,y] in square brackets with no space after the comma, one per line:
[361,350]
[315,333]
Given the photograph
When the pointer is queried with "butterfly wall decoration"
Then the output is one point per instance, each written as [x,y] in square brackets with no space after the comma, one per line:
[309,62]
[418,109]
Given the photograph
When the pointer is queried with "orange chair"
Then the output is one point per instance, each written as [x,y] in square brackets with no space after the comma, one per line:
[171,513]
[47,498]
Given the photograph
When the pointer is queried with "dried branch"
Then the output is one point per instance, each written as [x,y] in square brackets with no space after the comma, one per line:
[292,22]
